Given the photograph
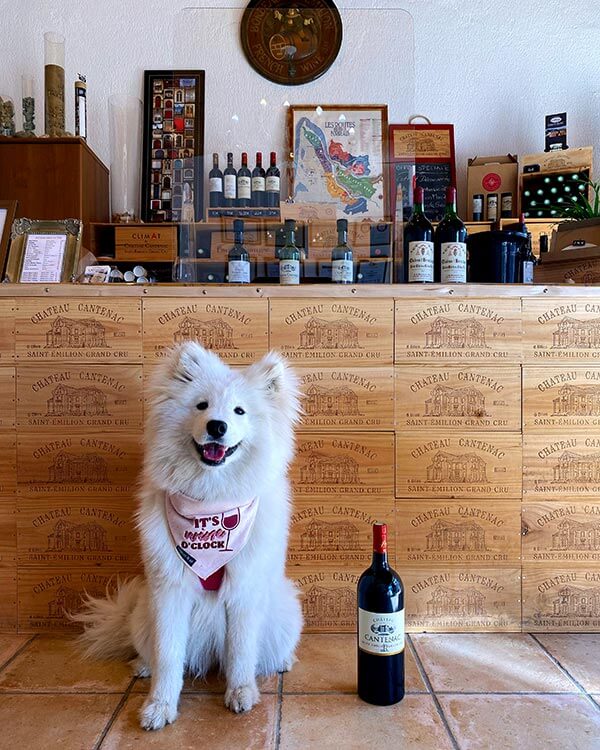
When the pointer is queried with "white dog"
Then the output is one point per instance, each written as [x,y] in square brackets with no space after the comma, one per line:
[213,517]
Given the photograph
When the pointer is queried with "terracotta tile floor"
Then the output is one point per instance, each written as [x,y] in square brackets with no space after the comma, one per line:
[465,692]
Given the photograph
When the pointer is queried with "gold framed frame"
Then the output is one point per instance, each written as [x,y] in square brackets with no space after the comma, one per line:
[8,209]
[24,229]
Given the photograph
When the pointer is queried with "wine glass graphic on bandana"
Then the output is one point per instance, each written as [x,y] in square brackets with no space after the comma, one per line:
[230,520]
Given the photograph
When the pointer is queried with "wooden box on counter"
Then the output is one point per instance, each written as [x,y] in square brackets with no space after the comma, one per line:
[55,178]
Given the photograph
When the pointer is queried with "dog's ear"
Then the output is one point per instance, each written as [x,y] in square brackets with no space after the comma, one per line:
[186,361]
[280,383]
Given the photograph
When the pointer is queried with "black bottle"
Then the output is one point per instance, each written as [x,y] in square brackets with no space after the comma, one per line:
[215,184]
[418,244]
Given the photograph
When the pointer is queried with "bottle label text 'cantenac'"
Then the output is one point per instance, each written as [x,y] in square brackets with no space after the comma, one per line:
[381,633]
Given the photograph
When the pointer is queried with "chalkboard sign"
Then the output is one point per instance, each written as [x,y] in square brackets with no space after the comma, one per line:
[427,152]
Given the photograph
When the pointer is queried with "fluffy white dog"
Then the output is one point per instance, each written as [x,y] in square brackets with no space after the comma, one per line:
[213,518]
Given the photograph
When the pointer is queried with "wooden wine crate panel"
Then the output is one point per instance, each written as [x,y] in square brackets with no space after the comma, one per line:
[561,532]
[561,331]
[565,599]
[561,398]
[458,330]
[468,464]
[45,594]
[357,398]
[328,598]
[457,532]
[462,599]
[8,461]
[236,329]
[333,533]
[329,466]
[79,466]
[8,528]
[559,467]
[333,331]
[443,397]
[7,331]
[99,330]
[8,600]
[107,397]
[7,398]
[81,532]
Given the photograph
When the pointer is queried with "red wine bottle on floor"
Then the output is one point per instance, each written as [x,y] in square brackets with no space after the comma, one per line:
[418,244]
[380,628]
[451,244]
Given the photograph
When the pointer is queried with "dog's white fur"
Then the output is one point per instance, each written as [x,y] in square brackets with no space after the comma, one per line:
[251,626]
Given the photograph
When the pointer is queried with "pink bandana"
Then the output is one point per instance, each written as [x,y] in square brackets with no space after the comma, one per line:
[207,541]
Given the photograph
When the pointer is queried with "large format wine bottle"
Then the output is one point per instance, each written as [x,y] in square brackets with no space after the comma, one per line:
[289,256]
[418,243]
[342,267]
[258,182]
[238,267]
[451,244]
[380,628]
[229,182]
[244,183]
[273,183]
[215,183]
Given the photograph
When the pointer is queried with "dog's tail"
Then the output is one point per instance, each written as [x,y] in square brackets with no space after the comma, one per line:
[107,630]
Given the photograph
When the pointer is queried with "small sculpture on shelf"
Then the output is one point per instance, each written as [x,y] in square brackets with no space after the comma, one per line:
[28,103]
[7,117]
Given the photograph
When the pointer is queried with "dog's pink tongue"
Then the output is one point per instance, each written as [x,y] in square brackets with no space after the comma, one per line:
[214,451]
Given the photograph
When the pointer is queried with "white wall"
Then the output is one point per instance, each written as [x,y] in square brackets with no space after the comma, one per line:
[493,69]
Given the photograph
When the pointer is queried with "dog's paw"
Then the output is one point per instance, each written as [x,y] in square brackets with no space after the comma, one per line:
[287,664]
[241,698]
[155,714]
[139,667]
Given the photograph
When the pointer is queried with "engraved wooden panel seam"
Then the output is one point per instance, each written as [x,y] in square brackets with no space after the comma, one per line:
[7,398]
[443,397]
[562,532]
[561,331]
[8,600]
[108,397]
[562,465]
[8,546]
[561,398]
[236,329]
[471,464]
[7,331]
[332,331]
[453,331]
[78,330]
[347,399]
[8,460]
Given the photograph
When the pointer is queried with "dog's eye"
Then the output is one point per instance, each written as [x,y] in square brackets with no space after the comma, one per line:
[239,410]
[202,405]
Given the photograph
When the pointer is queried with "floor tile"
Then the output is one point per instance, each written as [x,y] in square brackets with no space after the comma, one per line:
[203,722]
[488,662]
[213,683]
[40,722]
[10,644]
[56,665]
[578,653]
[344,721]
[522,722]
[327,663]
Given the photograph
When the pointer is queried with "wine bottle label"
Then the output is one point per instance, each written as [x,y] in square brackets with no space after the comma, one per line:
[506,203]
[215,184]
[477,205]
[229,186]
[342,271]
[454,263]
[243,187]
[272,184]
[420,261]
[381,633]
[258,184]
[238,272]
[527,272]
[289,271]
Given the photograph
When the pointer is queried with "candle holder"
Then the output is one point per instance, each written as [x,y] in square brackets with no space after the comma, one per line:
[125,131]
[54,83]
[28,103]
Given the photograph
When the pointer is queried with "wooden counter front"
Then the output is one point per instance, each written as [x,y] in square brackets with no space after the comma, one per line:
[468,418]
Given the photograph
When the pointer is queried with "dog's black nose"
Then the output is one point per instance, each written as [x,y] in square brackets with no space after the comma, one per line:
[216,428]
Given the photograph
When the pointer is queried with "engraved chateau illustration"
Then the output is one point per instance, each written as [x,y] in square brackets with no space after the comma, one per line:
[322,469]
[446,333]
[323,536]
[573,333]
[339,401]
[445,401]
[466,468]
[213,334]
[466,536]
[321,603]
[577,401]
[329,334]
[448,602]
[69,333]
[572,601]
[67,401]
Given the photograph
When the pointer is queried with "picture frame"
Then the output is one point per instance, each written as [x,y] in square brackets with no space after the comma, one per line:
[353,138]
[8,210]
[173,146]
[44,252]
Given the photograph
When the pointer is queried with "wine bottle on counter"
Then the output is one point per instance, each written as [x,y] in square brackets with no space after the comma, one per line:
[289,256]
[215,184]
[478,207]
[418,243]
[451,244]
[380,628]
[258,182]
[244,183]
[238,267]
[229,183]
[492,206]
[527,262]
[273,183]
[543,248]
[342,267]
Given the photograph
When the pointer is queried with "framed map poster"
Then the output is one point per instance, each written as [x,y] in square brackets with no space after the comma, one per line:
[339,157]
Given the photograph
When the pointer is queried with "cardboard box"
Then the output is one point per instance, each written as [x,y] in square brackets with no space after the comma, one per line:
[493,174]
[574,256]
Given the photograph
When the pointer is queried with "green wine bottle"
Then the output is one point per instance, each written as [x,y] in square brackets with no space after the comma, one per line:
[289,256]
[342,267]
[238,267]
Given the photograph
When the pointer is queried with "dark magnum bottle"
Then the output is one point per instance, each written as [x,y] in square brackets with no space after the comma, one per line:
[229,183]
[238,266]
[418,243]
[258,182]
[380,628]
[451,245]
[215,183]
[244,183]
[273,183]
